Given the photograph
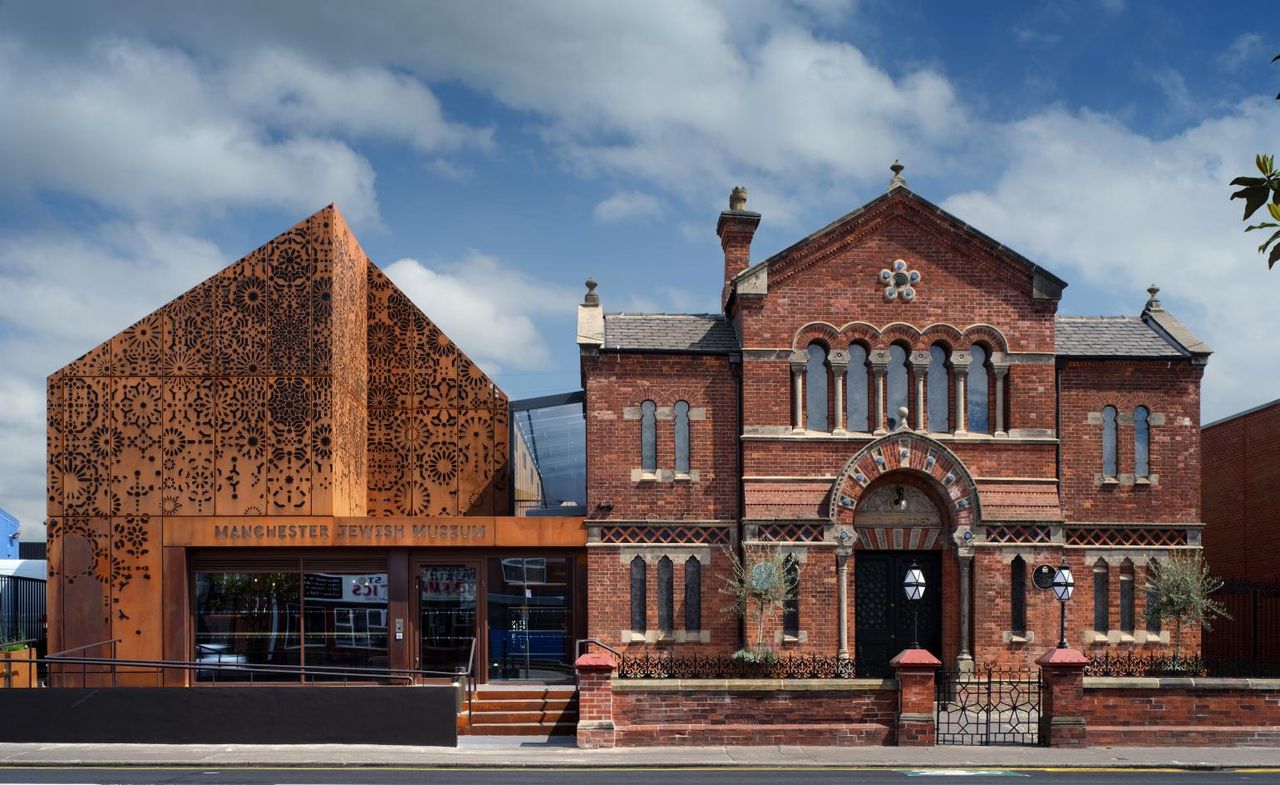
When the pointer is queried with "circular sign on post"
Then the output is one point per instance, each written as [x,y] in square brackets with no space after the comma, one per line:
[1043,577]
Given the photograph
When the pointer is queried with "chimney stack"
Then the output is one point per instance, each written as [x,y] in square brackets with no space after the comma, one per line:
[736,227]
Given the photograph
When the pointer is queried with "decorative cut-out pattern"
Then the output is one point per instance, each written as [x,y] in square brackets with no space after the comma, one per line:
[297,381]
[631,534]
[1121,536]
[1017,533]
[790,532]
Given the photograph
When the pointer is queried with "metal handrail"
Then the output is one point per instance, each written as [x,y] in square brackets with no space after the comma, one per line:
[87,646]
[589,641]
[347,674]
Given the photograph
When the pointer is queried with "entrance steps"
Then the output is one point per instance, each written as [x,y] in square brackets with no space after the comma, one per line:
[533,710]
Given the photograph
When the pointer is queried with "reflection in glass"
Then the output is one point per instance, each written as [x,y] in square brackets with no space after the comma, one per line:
[346,620]
[815,388]
[682,437]
[447,607]
[529,635]
[979,416]
[938,380]
[897,383]
[1141,441]
[1108,441]
[648,436]
[247,619]
[856,389]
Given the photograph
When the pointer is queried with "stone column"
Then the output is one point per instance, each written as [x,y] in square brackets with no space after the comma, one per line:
[1062,722]
[920,370]
[595,700]
[842,577]
[839,363]
[797,397]
[1001,371]
[960,369]
[916,670]
[964,660]
[880,372]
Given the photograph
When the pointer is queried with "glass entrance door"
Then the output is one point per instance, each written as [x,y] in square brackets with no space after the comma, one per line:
[530,618]
[446,616]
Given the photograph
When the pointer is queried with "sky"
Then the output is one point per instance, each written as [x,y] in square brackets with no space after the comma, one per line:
[491,156]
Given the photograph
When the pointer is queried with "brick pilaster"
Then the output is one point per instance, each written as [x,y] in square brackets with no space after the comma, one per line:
[595,700]
[916,670]
[1062,699]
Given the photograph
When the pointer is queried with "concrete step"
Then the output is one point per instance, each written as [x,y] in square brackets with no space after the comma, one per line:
[525,729]
[521,717]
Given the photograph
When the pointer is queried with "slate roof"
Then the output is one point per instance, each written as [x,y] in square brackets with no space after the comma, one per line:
[695,333]
[1111,336]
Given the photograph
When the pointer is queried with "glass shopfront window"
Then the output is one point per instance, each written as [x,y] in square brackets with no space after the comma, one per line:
[247,619]
[314,619]
[529,618]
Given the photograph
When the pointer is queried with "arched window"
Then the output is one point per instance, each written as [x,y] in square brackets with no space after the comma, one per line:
[682,437]
[815,389]
[1127,600]
[979,420]
[637,594]
[666,594]
[856,386]
[1108,441]
[897,381]
[1101,596]
[1141,442]
[939,383]
[791,606]
[649,436]
[1153,572]
[693,594]
[1018,596]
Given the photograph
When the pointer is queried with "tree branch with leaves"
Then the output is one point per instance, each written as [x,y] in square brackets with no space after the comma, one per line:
[1179,590]
[760,584]
[1259,191]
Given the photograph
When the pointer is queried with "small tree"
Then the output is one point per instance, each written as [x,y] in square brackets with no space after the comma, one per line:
[759,583]
[1178,590]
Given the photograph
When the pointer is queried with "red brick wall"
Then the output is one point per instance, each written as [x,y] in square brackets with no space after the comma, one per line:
[1181,715]
[1171,389]
[609,603]
[617,381]
[863,716]
[1241,494]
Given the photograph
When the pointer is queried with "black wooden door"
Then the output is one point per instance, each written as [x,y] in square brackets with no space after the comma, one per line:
[883,615]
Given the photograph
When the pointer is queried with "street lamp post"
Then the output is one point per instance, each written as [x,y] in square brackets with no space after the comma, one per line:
[913,585]
[1063,586]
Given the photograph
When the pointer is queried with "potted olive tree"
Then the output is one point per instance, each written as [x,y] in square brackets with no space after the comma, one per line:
[760,585]
[1179,590]
[16,665]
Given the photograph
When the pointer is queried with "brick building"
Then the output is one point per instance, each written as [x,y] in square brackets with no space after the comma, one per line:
[1241,493]
[896,387]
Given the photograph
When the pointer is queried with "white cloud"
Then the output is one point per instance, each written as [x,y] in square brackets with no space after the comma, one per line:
[150,130]
[627,205]
[61,294]
[486,307]
[1244,48]
[691,96]
[1098,203]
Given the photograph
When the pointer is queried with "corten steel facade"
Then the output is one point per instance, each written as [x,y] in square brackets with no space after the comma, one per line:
[295,406]
[1085,445]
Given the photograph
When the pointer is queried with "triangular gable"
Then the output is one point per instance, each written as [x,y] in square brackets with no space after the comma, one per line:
[1044,284]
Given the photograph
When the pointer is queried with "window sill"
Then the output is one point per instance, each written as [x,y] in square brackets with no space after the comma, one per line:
[667,636]
[1142,481]
[683,477]
[792,640]
[1110,481]
[1009,636]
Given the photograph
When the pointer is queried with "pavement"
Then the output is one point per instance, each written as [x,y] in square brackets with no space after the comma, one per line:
[559,753]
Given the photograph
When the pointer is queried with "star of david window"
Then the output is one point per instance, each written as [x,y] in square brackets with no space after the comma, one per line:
[900,282]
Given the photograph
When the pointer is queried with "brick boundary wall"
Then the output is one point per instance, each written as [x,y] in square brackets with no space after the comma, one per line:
[1182,712]
[666,712]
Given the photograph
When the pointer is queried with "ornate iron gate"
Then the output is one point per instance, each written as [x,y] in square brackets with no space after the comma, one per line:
[988,707]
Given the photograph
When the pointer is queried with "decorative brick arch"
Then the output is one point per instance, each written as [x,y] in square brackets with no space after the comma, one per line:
[918,455]
[822,332]
[985,333]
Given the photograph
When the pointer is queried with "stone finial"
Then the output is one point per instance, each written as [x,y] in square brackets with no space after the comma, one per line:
[592,298]
[898,180]
[902,417]
[1153,304]
[738,199]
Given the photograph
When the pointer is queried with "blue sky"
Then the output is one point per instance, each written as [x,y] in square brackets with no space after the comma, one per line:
[491,156]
